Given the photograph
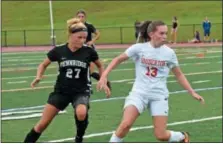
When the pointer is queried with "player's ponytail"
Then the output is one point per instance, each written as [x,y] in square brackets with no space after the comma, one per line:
[147,27]
[73,24]
[143,32]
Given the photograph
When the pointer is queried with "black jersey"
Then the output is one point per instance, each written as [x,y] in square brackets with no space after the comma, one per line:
[74,73]
[90,29]
[174,25]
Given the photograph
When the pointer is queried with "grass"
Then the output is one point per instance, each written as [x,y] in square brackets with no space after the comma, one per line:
[25,15]
[106,115]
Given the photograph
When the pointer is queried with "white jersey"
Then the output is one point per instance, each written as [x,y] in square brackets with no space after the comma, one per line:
[152,66]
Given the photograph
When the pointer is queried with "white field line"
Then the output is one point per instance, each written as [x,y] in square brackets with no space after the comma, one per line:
[110,99]
[203,81]
[18,58]
[197,49]
[22,60]
[167,82]
[194,82]
[34,68]
[50,67]
[45,52]
[37,63]
[36,59]
[44,56]
[194,57]
[15,64]
[25,116]
[174,81]
[201,63]
[184,64]
[20,112]
[141,128]
[18,53]
[191,57]
[117,81]
[16,82]
[55,66]
[214,51]
[105,61]
[25,77]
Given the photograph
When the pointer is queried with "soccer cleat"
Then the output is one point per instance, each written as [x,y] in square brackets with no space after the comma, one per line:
[78,139]
[109,85]
[186,139]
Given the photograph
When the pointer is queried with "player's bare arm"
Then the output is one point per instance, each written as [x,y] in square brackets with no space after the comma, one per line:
[96,37]
[99,66]
[185,84]
[101,69]
[40,71]
[116,61]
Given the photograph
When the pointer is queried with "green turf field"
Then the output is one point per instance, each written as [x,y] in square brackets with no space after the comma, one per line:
[202,121]
[114,19]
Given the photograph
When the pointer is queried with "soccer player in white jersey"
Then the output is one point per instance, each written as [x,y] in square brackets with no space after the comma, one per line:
[153,61]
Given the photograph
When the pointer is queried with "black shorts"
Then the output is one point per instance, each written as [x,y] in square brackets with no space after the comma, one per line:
[61,101]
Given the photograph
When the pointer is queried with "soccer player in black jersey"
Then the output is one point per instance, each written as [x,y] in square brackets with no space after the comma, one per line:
[81,14]
[174,29]
[73,81]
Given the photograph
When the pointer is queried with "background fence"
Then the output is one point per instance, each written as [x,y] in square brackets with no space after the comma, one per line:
[109,35]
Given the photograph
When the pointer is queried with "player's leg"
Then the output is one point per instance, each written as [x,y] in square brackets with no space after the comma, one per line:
[205,35]
[56,103]
[159,112]
[175,35]
[208,35]
[81,105]
[132,109]
[171,35]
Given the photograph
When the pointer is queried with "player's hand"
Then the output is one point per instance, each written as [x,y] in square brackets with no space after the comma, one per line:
[90,43]
[198,97]
[107,91]
[101,83]
[35,82]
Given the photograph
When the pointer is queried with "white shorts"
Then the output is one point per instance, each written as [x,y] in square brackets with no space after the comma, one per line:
[157,107]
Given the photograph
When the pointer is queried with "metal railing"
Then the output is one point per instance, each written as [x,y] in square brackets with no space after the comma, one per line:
[109,35]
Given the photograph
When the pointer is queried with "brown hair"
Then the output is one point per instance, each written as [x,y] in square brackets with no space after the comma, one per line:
[73,24]
[81,11]
[175,18]
[147,27]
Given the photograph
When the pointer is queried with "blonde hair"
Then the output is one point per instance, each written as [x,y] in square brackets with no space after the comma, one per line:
[74,23]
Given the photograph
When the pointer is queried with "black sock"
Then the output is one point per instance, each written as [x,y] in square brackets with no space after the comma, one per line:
[32,136]
[96,76]
[81,127]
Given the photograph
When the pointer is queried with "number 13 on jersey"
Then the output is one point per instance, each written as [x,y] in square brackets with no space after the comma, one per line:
[152,71]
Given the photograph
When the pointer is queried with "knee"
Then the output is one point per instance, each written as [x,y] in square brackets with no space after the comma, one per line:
[81,112]
[160,135]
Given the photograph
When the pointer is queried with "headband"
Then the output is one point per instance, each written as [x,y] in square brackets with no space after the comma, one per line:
[78,30]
